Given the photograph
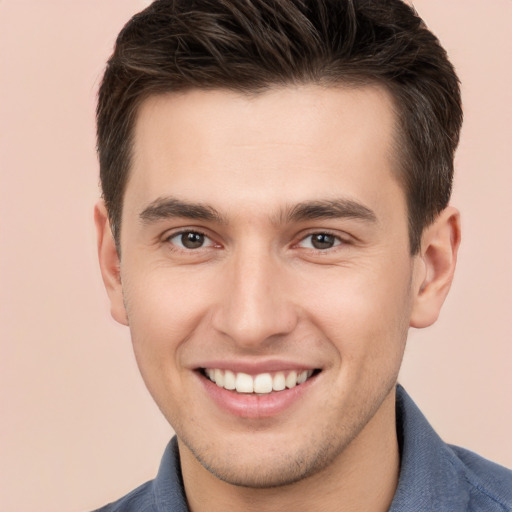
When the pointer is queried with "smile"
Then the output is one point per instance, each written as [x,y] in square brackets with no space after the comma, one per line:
[261,384]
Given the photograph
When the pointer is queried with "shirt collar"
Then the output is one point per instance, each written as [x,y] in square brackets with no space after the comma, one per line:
[428,470]
[168,488]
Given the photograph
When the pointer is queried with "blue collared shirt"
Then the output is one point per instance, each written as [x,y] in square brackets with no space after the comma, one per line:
[434,476]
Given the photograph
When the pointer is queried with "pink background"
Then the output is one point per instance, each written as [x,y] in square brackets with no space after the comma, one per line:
[77,427]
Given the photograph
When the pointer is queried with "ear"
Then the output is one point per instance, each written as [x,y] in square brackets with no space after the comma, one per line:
[435,267]
[109,263]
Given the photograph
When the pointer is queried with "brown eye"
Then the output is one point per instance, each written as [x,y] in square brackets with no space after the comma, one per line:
[320,241]
[190,240]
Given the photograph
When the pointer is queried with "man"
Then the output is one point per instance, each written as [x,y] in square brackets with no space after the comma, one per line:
[276,179]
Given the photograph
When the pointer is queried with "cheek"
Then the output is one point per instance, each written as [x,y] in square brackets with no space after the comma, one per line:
[163,312]
[163,309]
[363,310]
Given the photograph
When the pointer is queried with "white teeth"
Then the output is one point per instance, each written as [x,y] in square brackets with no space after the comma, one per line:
[291,380]
[279,382]
[229,380]
[219,378]
[300,378]
[244,383]
[262,383]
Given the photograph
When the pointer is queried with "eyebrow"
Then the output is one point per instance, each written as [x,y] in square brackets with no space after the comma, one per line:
[170,207]
[330,209]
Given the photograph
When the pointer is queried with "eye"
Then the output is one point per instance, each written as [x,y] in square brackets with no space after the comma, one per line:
[190,240]
[320,241]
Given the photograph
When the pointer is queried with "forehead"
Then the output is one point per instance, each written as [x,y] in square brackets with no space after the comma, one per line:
[286,144]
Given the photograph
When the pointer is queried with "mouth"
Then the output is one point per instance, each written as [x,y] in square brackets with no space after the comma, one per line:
[259,384]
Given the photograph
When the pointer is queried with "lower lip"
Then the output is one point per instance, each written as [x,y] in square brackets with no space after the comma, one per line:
[249,405]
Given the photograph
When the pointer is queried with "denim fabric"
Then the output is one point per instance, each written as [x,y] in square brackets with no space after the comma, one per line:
[434,476]
[163,494]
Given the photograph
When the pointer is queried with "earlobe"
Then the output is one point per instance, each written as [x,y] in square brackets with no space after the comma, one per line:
[109,263]
[435,270]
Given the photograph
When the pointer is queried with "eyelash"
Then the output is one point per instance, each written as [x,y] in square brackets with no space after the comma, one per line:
[175,246]
[338,241]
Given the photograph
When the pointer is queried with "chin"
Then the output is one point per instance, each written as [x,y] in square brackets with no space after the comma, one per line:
[269,461]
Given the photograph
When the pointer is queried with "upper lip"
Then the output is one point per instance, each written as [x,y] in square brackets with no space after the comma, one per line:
[255,367]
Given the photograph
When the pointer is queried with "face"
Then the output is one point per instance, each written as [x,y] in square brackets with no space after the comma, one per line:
[264,241]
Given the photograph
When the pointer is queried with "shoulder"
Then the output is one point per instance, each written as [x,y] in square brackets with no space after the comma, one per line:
[438,477]
[140,500]
[164,493]
[490,484]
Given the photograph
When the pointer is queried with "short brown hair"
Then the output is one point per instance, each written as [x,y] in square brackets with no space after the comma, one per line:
[252,45]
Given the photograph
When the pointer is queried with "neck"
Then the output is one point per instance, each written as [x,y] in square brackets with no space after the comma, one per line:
[363,477]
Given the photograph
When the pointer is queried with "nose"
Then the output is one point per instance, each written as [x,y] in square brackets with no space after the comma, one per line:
[254,308]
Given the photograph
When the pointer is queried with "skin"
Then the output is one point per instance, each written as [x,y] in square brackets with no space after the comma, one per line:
[257,290]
